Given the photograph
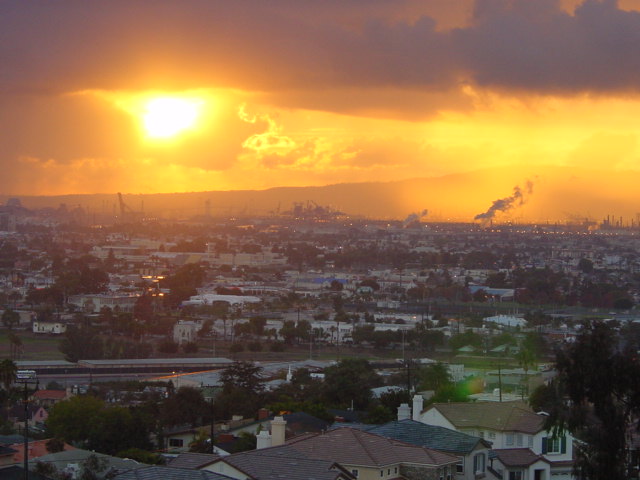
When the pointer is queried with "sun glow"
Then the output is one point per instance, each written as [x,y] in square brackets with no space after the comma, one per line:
[166,117]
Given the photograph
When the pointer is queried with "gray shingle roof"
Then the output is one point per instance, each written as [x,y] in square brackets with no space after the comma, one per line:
[192,460]
[349,446]
[154,472]
[284,462]
[500,416]
[16,472]
[421,434]
[61,459]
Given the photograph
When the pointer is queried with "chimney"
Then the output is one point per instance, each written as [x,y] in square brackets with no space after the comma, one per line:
[263,440]
[263,413]
[404,413]
[277,431]
[418,405]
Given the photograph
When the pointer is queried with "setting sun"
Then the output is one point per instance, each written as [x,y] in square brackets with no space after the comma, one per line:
[166,117]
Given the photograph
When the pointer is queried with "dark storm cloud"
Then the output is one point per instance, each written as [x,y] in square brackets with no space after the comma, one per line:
[304,45]
[537,46]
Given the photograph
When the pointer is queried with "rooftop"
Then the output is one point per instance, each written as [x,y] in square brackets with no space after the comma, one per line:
[500,416]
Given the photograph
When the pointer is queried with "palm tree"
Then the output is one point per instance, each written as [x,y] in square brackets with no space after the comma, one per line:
[526,359]
[8,372]
[16,344]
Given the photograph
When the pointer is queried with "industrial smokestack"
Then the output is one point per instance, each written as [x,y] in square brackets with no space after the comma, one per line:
[517,199]
[414,217]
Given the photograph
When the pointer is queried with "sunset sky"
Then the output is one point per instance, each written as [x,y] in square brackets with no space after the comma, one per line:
[153,96]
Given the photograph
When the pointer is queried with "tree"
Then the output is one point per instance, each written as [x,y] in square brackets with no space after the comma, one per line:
[585,265]
[8,371]
[246,441]
[93,468]
[434,377]
[596,396]
[143,309]
[350,382]
[168,346]
[186,406]
[242,390]
[15,344]
[10,318]
[81,343]
[183,283]
[526,359]
[73,419]
[190,347]
[54,445]
[142,456]
[244,375]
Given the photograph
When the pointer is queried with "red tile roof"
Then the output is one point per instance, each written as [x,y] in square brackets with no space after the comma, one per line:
[517,457]
[37,448]
[50,394]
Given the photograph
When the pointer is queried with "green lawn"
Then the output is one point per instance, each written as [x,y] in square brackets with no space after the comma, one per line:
[34,347]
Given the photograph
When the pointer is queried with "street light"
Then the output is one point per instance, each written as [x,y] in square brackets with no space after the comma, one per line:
[26,377]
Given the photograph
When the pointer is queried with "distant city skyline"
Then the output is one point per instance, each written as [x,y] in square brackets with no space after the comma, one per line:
[147,97]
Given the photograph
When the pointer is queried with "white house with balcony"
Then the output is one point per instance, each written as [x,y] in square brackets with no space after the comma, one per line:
[523,449]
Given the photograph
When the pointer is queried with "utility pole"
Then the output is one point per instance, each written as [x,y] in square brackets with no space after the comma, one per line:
[25,376]
[213,427]
[500,381]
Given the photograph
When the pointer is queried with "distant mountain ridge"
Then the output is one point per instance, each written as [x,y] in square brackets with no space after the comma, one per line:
[558,194]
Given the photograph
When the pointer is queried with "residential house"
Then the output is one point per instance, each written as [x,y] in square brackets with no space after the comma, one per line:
[470,450]
[192,460]
[35,449]
[70,463]
[152,472]
[55,327]
[369,456]
[16,472]
[35,415]
[277,463]
[520,464]
[94,303]
[178,439]
[507,425]
[6,455]
[185,332]
[48,398]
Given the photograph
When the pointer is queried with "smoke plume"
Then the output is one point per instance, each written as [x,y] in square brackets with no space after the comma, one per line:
[504,204]
[414,217]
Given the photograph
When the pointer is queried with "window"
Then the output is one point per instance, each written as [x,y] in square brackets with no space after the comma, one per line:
[176,442]
[382,473]
[395,470]
[388,471]
[519,442]
[354,473]
[460,466]
[478,463]
[515,475]
[530,441]
[492,435]
[554,445]
[509,439]
[481,434]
